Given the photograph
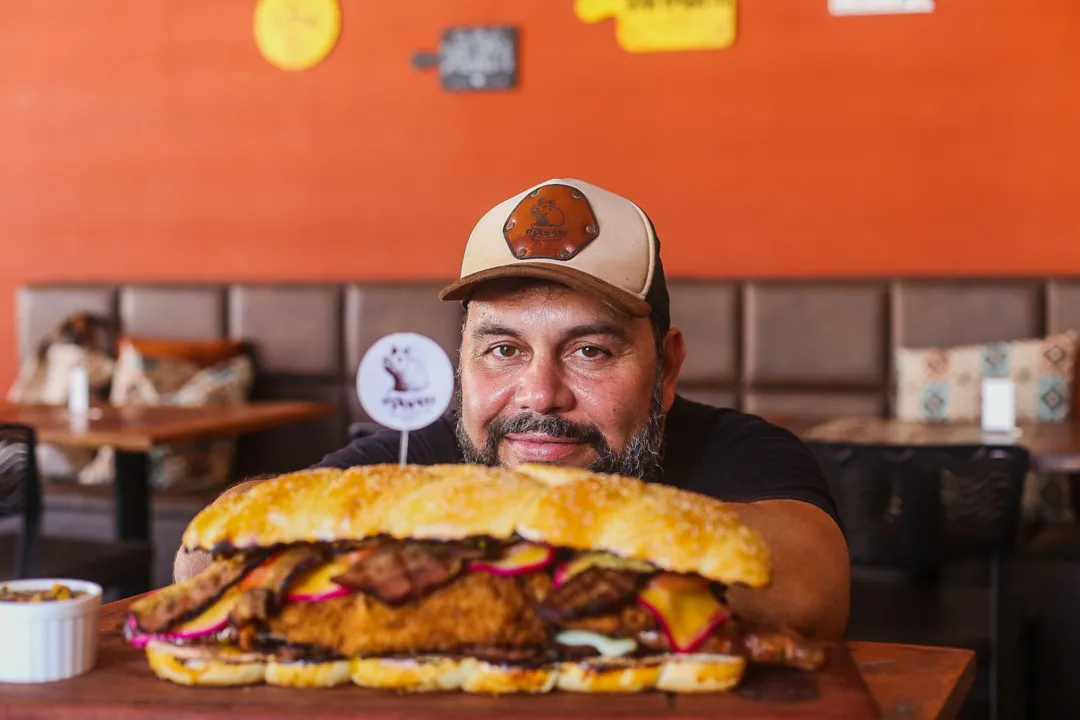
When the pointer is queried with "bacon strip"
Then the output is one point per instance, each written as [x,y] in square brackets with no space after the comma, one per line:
[159,611]
[397,573]
[757,646]
[591,592]
[265,586]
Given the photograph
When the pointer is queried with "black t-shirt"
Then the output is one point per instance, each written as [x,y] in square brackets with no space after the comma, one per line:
[719,452]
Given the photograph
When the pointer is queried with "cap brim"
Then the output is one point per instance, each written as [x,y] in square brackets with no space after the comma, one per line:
[621,300]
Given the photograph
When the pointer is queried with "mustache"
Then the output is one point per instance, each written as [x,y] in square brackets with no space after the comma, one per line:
[554,426]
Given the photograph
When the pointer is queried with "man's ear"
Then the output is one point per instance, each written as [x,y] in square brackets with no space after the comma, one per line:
[674,354]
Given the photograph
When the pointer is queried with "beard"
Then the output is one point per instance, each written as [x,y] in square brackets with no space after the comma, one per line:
[640,458]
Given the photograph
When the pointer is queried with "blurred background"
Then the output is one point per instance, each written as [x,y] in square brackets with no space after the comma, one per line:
[841,199]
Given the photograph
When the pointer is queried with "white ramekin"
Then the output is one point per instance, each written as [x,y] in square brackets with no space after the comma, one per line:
[46,641]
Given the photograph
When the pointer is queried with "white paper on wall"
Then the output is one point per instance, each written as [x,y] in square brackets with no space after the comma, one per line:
[880,7]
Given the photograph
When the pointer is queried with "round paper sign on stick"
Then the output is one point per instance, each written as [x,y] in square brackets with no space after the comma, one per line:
[405,381]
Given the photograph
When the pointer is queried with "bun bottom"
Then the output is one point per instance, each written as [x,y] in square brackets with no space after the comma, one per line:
[694,673]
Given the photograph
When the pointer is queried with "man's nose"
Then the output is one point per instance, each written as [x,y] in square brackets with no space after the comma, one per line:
[541,388]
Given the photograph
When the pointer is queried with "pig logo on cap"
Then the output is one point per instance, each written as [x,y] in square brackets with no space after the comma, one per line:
[548,218]
[553,222]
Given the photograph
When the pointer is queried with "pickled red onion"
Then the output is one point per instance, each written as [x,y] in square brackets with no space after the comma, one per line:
[516,560]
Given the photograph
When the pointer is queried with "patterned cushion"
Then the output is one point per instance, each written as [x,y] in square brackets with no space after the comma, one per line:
[140,380]
[45,380]
[945,384]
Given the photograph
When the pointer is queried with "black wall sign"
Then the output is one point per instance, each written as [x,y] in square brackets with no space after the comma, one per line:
[476,58]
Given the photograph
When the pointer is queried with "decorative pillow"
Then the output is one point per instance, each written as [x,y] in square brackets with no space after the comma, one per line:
[203,353]
[945,384]
[46,380]
[140,380]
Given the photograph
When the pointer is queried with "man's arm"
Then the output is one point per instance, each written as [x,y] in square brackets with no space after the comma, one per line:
[774,482]
[189,564]
[811,570]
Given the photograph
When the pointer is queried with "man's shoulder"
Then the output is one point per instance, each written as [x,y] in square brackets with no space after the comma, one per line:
[709,422]
[435,444]
[741,457]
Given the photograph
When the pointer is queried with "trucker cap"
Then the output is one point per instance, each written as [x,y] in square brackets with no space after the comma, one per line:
[574,233]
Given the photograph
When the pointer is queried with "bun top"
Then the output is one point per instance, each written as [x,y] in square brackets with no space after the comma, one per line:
[675,530]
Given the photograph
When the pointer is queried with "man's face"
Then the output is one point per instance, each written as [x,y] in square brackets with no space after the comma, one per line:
[551,375]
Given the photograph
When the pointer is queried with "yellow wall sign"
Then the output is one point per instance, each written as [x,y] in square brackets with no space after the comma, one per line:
[665,25]
[296,34]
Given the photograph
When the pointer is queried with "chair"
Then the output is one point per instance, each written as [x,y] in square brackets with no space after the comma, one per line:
[913,517]
[123,567]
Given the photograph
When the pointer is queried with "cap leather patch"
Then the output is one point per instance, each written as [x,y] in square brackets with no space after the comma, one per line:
[553,222]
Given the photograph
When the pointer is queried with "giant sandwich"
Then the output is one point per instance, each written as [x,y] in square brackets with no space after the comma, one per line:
[458,577]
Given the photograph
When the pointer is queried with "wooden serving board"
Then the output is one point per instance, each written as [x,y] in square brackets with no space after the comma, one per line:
[123,687]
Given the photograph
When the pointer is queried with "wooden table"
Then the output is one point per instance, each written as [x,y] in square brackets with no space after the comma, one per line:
[1054,446]
[915,682]
[133,431]
[907,682]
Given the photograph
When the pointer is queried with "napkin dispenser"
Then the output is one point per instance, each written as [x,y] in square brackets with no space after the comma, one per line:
[998,405]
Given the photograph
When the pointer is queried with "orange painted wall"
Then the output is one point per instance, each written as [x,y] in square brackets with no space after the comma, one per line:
[149,140]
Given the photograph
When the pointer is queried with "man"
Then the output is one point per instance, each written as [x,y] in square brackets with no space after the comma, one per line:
[568,357]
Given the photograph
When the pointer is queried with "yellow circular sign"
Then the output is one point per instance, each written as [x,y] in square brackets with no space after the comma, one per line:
[296,34]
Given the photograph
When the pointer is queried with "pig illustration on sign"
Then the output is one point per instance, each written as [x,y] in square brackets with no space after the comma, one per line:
[409,394]
[408,372]
[405,381]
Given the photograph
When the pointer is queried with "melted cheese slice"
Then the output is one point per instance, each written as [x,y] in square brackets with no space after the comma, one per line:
[517,559]
[317,583]
[212,618]
[600,559]
[525,556]
[685,607]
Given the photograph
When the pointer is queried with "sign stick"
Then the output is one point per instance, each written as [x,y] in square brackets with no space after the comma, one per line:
[404,448]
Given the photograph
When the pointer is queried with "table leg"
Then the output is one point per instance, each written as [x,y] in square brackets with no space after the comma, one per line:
[132,496]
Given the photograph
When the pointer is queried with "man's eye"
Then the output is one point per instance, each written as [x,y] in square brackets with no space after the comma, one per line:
[591,352]
[504,351]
